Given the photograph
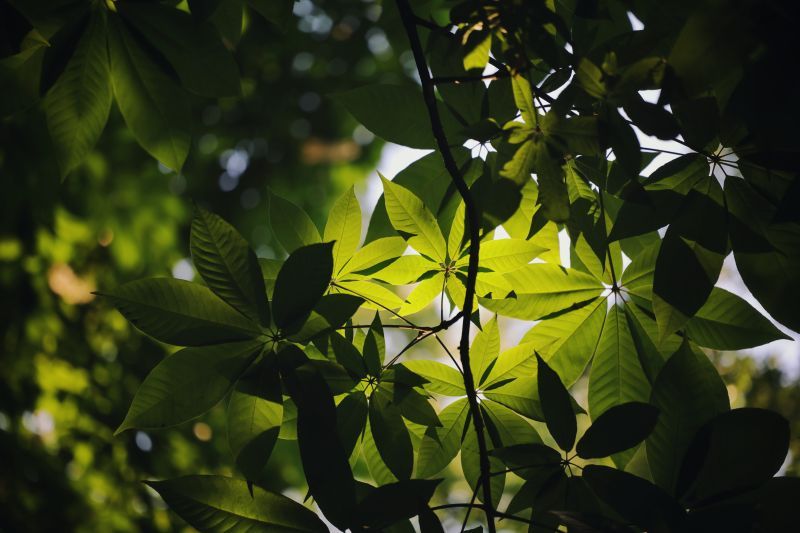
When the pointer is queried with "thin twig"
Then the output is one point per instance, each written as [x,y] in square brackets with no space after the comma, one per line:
[474,227]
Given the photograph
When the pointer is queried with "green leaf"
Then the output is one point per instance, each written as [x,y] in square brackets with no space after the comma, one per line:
[351,419]
[348,356]
[396,113]
[374,347]
[553,193]
[635,499]
[470,464]
[329,313]
[390,433]
[523,97]
[374,295]
[556,406]
[255,414]
[442,379]
[155,109]
[652,119]
[516,362]
[179,312]
[187,384]
[344,228]
[291,225]
[375,253]
[618,429]
[521,395]
[541,289]
[279,12]
[478,56]
[506,255]
[484,350]
[302,281]
[339,381]
[680,175]
[569,341]
[423,294]
[727,322]
[375,464]
[529,459]
[228,265]
[193,48]
[77,106]
[215,503]
[388,504]
[455,239]
[440,445]
[406,269]
[412,219]
[616,376]
[688,393]
[325,461]
[736,451]
[414,406]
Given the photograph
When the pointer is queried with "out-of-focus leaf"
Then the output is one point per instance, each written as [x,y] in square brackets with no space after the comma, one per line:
[391,503]
[154,107]
[292,226]
[77,106]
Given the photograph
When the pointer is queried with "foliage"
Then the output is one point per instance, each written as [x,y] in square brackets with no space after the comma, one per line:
[563,119]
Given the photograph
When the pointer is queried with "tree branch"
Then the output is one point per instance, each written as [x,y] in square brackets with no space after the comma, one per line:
[473,226]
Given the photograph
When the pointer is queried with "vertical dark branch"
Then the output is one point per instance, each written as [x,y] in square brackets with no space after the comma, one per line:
[473,228]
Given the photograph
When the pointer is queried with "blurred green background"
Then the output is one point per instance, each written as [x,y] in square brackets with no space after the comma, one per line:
[70,364]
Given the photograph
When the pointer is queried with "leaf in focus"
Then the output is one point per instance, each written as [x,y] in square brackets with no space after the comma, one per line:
[556,406]
[292,226]
[302,281]
[187,384]
[414,221]
[618,429]
[215,503]
[344,229]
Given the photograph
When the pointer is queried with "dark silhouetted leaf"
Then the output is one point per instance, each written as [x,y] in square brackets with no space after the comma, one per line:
[302,281]
[618,429]
[557,406]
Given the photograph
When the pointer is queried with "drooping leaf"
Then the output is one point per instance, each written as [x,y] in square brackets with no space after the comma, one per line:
[556,406]
[215,503]
[302,281]
[187,384]
[228,265]
[351,419]
[192,47]
[688,392]
[292,226]
[389,504]
[180,312]
[440,445]
[374,347]
[155,109]
[390,433]
[255,414]
[77,106]
[642,503]
[618,429]
[325,461]
[736,451]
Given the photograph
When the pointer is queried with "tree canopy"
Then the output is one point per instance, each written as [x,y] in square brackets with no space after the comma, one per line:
[592,167]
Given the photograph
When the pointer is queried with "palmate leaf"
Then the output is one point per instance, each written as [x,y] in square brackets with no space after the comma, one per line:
[541,289]
[556,406]
[228,265]
[727,322]
[351,419]
[414,221]
[616,376]
[154,108]
[188,383]
[395,113]
[292,226]
[389,504]
[193,48]
[179,312]
[441,379]
[325,461]
[506,255]
[406,269]
[378,470]
[485,349]
[374,253]
[301,282]
[215,503]
[255,414]
[77,106]
[390,433]
[344,229]
[688,392]
[423,294]
[619,428]
[440,445]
